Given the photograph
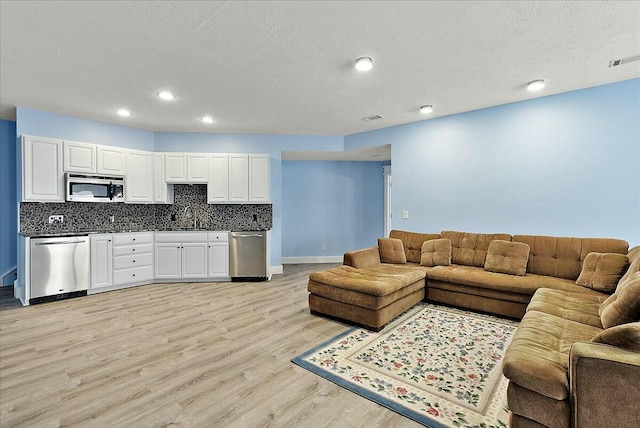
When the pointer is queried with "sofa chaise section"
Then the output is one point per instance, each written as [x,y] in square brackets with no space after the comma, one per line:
[369,296]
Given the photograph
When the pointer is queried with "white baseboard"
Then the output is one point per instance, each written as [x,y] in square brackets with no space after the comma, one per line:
[9,276]
[276,270]
[319,259]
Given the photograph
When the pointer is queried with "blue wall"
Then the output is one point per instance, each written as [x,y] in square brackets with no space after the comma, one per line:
[53,125]
[337,204]
[8,197]
[565,165]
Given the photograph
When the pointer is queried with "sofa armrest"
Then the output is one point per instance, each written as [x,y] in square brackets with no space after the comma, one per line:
[604,385]
[362,258]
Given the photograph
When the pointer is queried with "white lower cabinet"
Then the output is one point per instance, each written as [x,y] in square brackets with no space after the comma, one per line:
[194,260]
[218,254]
[101,260]
[121,259]
[132,258]
[191,255]
[168,260]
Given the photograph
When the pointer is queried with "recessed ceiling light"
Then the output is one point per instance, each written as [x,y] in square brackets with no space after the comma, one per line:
[166,95]
[535,85]
[207,119]
[123,112]
[426,109]
[364,63]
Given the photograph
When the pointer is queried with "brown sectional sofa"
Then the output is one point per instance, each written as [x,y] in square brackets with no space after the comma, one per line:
[559,376]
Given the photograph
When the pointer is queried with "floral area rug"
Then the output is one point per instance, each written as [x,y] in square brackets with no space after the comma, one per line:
[436,365]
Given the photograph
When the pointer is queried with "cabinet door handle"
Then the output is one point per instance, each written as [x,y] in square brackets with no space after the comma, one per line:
[134,261]
[133,249]
[134,274]
[134,239]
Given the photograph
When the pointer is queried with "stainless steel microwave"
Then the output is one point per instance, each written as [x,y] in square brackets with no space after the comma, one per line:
[90,188]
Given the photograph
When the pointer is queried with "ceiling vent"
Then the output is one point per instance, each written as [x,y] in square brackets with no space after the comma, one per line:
[618,62]
[370,118]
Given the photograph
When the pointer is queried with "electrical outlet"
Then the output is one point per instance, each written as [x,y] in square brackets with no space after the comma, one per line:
[324,247]
[56,219]
[405,214]
[112,219]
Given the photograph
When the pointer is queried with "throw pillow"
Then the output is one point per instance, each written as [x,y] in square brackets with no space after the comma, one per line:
[623,306]
[436,252]
[602,271]
[625,336]
[391,250]
[507,257]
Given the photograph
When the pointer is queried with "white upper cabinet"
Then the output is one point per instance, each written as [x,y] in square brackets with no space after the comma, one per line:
[149,176]
[139,180]
[259,183]
[162,192]
[42,172]
[197,171]
[249,178]
[186,167]
[79,157]
[238,178]
[175,165]
[111,161]
[218,184]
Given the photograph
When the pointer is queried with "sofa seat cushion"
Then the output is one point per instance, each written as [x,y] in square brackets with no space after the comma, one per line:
[538,356]
[478,277]
[579,307]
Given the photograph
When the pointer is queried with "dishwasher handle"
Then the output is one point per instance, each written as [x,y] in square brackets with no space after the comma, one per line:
[59,242]
[248,236]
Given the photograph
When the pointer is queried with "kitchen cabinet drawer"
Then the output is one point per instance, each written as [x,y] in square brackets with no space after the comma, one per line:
[180,237]
[218,237]
[132,238]
[136,260]
[132,249]
[127,276]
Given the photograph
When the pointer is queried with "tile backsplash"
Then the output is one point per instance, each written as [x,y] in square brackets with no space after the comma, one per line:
[189,200]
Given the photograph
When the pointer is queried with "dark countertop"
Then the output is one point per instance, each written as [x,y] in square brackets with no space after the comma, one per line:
[94,232]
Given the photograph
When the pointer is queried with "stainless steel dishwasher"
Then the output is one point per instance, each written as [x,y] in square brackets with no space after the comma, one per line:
[248,256]
[59,267]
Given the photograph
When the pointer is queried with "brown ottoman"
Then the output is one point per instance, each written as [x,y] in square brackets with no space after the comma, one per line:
[370,296]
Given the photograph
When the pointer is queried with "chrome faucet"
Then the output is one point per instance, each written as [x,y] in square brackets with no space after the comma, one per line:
[193,211]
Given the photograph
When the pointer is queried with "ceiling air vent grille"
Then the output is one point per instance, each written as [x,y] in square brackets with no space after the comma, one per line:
[618,62]
[370,118]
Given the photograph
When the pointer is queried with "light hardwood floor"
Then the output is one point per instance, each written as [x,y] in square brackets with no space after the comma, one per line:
[176,355]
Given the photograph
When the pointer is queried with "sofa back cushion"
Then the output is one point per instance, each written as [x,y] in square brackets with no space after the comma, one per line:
[634,262]
[391,250]
[470,249]
[507,257]
[562,257]
[602,271]
[625,336]
[624,305]
[436,252]
[412,242]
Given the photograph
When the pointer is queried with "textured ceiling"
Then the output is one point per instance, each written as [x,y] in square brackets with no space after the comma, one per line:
[287,67]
